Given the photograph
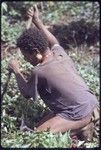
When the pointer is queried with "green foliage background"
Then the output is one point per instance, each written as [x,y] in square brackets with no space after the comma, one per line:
[14,14]
[12,24]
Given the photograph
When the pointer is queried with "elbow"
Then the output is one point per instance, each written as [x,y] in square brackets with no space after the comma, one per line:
[26,96]
[25,93]
[54,42]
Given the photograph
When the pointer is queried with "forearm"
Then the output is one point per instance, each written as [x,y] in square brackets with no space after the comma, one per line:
[22,84]
[51,38]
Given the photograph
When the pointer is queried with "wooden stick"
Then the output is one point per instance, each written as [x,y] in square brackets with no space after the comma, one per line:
[28,24]
[23,126]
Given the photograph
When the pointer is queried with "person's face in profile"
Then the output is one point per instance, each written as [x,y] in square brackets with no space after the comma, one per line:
[30,57]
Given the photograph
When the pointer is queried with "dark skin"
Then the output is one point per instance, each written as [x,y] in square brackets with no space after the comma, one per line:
[55,123]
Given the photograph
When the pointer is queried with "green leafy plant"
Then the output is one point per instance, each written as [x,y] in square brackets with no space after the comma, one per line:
[13,103]
[37,140]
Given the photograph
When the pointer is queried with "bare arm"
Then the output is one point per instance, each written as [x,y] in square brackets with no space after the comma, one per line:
[22,84]
[51,38]
[26,87]
[34,13]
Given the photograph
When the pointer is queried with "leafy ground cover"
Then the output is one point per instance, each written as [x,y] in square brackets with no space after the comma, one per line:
[86,60]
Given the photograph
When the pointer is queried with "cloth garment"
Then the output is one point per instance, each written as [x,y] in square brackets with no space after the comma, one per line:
[61,88]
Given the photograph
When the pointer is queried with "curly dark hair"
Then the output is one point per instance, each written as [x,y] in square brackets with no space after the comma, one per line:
[32,38]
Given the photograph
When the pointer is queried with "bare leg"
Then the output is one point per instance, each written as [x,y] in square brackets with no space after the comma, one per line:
[59,124]
[45,118]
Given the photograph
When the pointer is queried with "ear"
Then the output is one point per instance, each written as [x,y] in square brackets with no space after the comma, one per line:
[39,56]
